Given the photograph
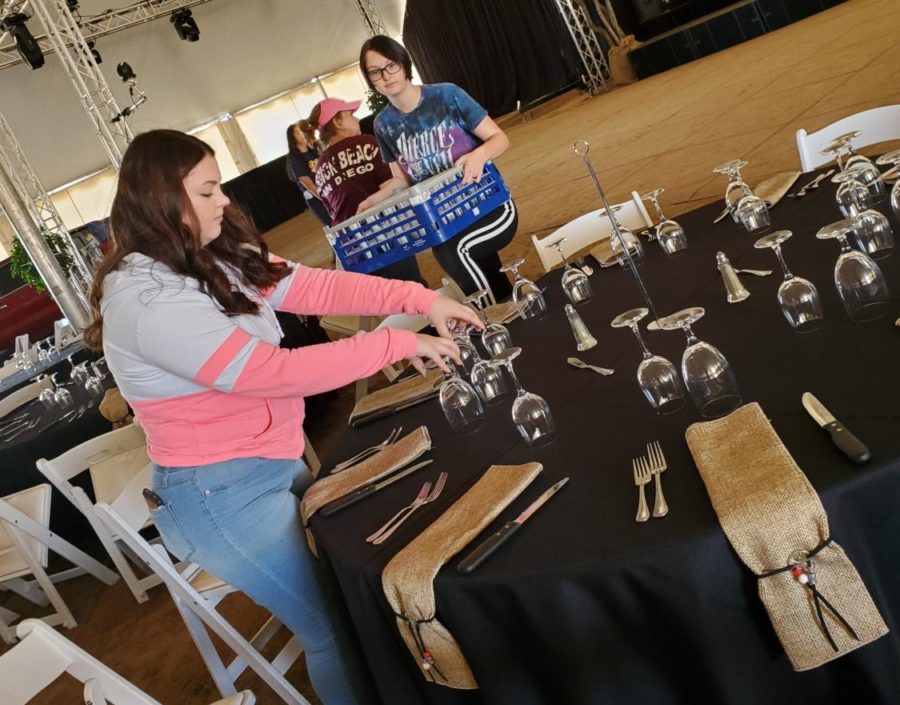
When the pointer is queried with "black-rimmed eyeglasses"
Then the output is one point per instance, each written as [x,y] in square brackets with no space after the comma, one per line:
[378,74]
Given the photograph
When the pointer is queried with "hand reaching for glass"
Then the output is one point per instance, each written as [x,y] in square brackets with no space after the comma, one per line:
[432,348]
[447,315]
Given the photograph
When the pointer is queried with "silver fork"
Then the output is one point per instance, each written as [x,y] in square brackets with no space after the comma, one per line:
[423,493]
[433,495]
[371,450]
[657,468]
[641,478]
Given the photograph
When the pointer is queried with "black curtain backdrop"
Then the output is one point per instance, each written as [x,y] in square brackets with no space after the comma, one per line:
[266,194]
[500,51]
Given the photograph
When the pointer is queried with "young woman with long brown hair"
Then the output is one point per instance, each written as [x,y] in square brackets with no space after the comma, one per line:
[183,310]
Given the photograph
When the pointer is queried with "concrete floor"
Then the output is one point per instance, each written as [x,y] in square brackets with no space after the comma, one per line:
[668,130]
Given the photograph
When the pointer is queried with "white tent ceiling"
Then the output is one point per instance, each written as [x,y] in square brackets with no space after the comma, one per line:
[248,50]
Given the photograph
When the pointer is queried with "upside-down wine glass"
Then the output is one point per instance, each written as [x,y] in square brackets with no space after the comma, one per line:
[632,241]
[852,196]
[707,374]
[870,176]
[668,233]
[735,189]
[62,396]
[873,234]
[575,283]
[495,336]
[893,158]
[798,297]
[526,294]
[656,376]
[530,413]
[468,355]
[859,280]
[460,403]
[488,380]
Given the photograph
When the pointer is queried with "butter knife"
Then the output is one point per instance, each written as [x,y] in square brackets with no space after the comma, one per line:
[336,505]
[487,547]
[849,444]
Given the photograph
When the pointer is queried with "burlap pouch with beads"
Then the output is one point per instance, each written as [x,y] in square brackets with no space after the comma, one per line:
[408,580]
[408,390]
[769,510]
[330,487]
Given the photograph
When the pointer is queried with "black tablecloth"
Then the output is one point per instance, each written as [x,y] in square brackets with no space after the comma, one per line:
[52,436]
[586,606]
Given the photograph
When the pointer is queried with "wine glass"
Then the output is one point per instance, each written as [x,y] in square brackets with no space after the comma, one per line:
[575,283]
[707,374]
[736,189]
[859,280]
[460,403]
[94,386]
[495,336]
[101,369]
[753,213]
[797,296]
[62,396]
[530,413]
[526,294]
[656,376]
[488,380]
[468,355]
[893,158]
[852,196]
[872,233]
[869,175]
[631,241]
[668,233]
[47,396]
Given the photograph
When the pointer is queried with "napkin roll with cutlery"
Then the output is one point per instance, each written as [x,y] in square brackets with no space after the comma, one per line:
[769,510]
[408,580]
[396,396]
[332,487]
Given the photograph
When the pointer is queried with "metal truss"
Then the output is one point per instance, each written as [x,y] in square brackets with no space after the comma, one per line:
[41,209]
[92,27]
[370,16]
[78,61]
[592,57]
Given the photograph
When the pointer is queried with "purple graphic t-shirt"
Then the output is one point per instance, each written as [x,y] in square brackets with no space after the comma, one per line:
[434,135]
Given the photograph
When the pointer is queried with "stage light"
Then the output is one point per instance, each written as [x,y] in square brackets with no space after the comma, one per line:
[126,73]
[26,44]
[185,25]
[96,54]
[138,98]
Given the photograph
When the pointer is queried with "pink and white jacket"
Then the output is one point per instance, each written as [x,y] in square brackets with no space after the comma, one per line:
[209,387]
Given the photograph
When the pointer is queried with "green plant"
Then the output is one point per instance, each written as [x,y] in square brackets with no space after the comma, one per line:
[22,268]
[375,101]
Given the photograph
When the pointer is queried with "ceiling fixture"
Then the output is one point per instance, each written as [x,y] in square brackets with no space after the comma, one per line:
[185,25]
[26,44]
[138,98]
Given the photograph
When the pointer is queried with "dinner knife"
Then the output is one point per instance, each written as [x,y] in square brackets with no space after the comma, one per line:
[361,493]
[849,444]
[487,547]
[372,416]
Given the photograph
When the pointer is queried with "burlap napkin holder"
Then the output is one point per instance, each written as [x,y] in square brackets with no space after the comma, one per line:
[331,487]
[408,390]
[769,511]
[775,187]
[408,580]
[503,312]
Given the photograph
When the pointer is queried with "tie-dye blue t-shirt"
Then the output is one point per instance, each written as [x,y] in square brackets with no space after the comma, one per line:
[437,132]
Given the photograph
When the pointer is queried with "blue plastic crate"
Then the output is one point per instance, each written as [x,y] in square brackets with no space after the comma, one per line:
[416,219]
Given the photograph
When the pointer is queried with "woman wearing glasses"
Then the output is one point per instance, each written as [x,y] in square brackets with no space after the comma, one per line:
[428,129]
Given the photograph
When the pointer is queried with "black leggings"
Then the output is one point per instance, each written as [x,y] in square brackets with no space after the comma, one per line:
[471,258]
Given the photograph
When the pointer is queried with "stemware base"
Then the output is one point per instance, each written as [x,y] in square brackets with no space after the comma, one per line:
[720,406]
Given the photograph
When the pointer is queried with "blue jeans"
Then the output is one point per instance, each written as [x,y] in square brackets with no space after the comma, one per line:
[240,520]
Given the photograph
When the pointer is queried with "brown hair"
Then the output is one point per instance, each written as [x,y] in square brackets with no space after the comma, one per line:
[308,129]
[326,132]
[390,49]
[148,215]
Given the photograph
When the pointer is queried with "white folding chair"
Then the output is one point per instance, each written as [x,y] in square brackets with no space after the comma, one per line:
[22,396]
[876,125]
[196,594]
[43,655]
[25,541]
[119,469]
[589,229]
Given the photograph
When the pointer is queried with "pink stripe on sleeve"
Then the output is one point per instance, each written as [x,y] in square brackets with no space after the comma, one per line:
[224,354]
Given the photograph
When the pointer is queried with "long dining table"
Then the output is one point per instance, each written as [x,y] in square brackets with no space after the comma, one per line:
[585,605]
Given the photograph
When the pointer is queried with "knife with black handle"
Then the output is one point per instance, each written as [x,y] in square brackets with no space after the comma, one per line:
[487,547]
[849,444]
[336,505]
[372,416]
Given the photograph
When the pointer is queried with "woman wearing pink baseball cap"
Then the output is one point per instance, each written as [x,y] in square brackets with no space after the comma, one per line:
[351,175]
